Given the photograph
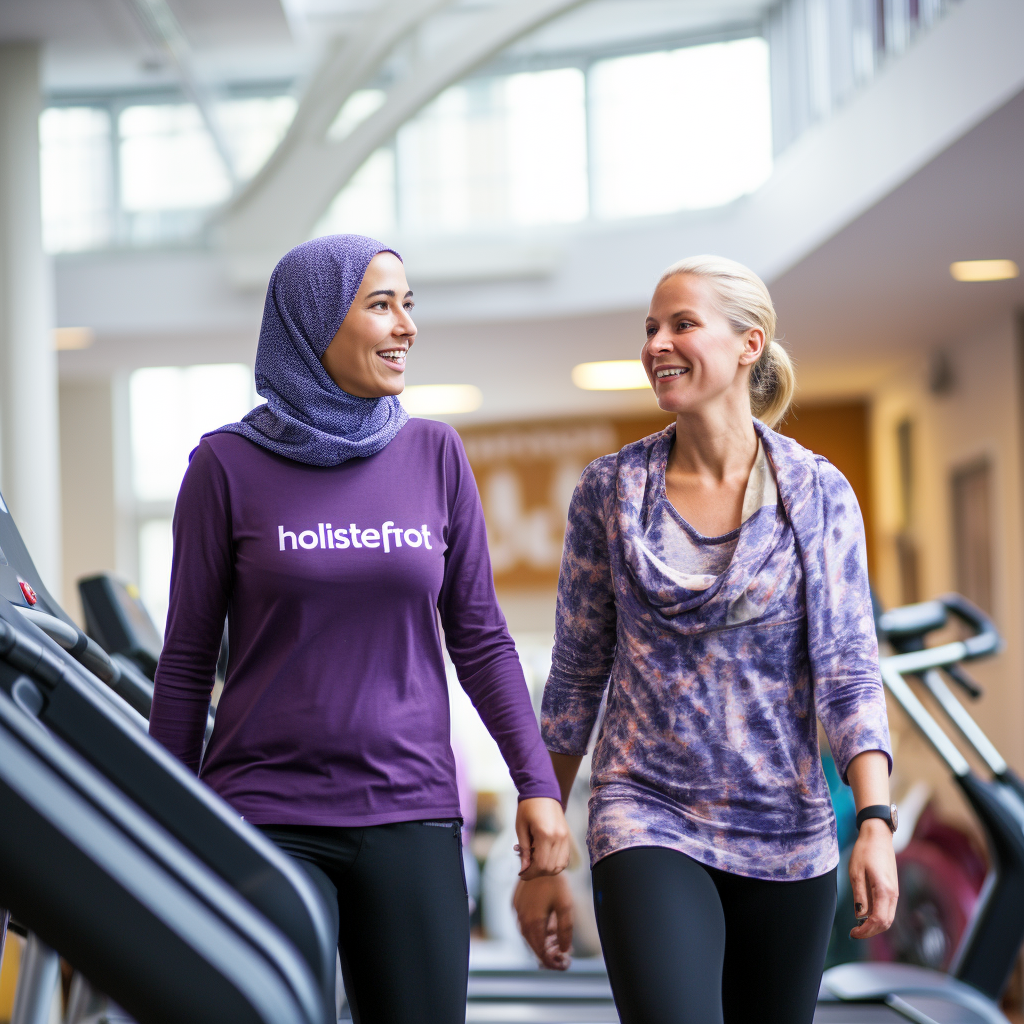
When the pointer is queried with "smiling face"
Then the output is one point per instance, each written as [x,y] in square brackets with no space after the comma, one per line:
[366,358]
[692,355]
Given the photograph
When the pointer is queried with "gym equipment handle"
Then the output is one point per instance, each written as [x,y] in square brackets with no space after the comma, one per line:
[986,639]
[81,647]
[964,681]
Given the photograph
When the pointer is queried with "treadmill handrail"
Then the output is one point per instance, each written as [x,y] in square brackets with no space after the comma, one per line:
[961,718]
[120,674]
[81,647]
[920,715]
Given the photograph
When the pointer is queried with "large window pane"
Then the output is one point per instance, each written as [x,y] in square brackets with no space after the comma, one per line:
[547,130]
[155,568]
[75,178]
[171,408]
[679,130]
[168,160]
[496,151]
[253,128]
[366,206]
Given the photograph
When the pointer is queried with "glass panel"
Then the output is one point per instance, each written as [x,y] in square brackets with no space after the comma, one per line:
[168,160]
[155,568]
[253,128]
[547,133]
[685,129]
[171,408]
[366,206]
[75,178]
[496,151]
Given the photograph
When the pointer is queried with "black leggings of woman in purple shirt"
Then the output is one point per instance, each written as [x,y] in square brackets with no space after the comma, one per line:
[390,925]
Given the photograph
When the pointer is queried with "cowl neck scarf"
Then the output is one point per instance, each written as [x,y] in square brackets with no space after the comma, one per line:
[640,489]
[307,417]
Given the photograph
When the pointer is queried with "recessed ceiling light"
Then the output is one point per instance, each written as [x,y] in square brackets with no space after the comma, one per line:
[441,399]
[984,270]
[65,339]
[611,375]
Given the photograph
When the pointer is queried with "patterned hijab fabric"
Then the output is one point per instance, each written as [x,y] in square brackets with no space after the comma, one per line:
[307,417]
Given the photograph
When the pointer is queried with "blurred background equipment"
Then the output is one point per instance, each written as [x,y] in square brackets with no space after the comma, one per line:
[537,163]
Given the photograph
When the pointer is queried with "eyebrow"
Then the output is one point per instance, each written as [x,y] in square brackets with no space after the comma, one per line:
[678,313]
[389,292]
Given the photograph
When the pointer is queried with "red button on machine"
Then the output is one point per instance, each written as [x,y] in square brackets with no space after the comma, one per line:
[26,589]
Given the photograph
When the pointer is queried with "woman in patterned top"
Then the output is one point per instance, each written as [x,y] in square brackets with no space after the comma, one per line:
[714,593]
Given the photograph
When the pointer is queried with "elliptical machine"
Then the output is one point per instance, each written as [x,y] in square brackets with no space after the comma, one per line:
[989,947]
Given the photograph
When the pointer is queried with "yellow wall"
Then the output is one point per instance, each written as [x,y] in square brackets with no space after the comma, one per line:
[9,975]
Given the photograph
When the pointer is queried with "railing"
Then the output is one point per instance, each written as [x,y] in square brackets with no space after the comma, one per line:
[824,51]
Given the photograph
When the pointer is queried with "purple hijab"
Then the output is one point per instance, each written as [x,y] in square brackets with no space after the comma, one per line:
[307,417]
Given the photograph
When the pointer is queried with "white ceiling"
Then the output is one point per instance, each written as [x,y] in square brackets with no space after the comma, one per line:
[100,45]
[882,285]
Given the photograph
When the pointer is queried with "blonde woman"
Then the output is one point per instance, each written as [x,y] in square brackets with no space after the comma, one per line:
[714,582]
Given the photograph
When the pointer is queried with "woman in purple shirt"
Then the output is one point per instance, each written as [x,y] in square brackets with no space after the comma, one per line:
[714,593]
[336,533]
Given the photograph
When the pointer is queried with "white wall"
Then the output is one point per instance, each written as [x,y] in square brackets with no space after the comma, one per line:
[981,416]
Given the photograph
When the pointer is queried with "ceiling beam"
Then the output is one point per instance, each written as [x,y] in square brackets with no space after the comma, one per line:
[282,205]
[160,24]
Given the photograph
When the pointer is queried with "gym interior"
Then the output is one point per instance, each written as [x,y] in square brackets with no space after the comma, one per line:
[537,163]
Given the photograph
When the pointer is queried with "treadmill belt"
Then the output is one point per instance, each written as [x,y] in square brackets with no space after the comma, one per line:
[541,1013]
[856,1013]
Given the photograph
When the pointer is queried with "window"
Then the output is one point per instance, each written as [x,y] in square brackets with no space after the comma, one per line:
[76,183]
[682,130]
[624,137]
[168,165]
[367,205]
[496,151]
[170,408]
[252,129]
[153,180]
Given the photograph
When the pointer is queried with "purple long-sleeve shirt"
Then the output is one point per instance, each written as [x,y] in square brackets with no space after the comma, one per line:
[335,707]
[709,744]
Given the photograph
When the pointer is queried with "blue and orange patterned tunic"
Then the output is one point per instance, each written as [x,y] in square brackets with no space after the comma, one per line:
[709,741]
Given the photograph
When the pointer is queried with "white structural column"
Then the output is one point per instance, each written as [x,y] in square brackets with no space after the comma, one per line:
[29,438]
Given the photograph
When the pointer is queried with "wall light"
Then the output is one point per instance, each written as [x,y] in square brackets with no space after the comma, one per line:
[441,399]
[984,270]
[66,339]
[611,375]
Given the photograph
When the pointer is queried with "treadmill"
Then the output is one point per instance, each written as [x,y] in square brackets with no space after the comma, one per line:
[93,876]
[105,738]
[989,948]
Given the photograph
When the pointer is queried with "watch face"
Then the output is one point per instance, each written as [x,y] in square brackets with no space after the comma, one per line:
[894,816]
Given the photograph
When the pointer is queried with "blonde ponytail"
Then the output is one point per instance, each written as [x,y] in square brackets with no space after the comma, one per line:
[746,304]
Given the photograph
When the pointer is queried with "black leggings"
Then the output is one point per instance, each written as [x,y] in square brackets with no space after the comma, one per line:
[688,944]
[397,894]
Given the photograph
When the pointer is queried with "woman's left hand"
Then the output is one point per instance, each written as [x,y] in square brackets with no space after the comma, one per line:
[873,878]
[544,842]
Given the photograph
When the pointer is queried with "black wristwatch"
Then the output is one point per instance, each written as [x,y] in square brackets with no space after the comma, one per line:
[887,812]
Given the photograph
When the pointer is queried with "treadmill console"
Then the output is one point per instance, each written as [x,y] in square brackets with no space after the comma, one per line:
[117,620]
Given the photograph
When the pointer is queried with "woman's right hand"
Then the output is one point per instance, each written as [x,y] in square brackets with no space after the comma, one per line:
[544,908]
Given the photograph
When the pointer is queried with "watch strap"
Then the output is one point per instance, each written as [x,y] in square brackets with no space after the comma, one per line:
[883,811]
